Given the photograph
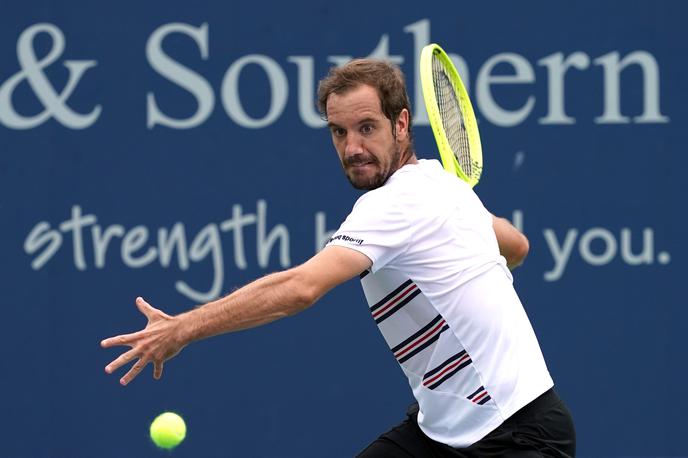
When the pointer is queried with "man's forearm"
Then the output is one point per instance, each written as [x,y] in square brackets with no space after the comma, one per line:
[267,299]
[260,302]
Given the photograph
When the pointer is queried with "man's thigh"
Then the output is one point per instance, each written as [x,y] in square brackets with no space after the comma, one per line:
[407,440]
[543,429]
[404,440]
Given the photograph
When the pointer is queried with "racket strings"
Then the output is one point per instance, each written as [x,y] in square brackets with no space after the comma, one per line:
[452,118]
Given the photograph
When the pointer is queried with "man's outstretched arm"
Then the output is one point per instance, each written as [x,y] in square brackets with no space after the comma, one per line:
[513,245]
[269,298]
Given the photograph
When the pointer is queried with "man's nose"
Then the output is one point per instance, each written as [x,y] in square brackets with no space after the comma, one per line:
[354,145]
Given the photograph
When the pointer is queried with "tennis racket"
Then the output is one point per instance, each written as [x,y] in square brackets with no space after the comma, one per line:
[451,115]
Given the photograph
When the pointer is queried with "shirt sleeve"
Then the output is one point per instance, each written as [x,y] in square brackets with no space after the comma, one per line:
[377,227]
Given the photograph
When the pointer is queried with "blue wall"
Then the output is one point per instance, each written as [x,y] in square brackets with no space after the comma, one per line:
[125,123]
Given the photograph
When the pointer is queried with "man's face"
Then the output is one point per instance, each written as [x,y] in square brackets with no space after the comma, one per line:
[363,138]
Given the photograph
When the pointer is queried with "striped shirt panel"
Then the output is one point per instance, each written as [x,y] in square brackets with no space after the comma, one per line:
[418,338]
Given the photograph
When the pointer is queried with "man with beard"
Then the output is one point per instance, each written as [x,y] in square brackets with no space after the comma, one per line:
[433,265]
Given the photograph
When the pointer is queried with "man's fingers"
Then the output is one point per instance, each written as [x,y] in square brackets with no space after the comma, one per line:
[133,372]
[157,370]
[141,343]
[144,307]
[123,359]
[124,339]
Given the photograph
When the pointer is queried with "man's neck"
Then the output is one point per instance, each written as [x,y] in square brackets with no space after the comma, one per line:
[408,157]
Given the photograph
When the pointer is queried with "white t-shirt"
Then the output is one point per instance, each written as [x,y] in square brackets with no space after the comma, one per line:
[443,298]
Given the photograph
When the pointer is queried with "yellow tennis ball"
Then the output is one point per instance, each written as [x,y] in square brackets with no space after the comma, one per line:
[168,430]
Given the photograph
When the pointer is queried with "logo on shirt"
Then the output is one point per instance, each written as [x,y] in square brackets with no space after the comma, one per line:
[345,238]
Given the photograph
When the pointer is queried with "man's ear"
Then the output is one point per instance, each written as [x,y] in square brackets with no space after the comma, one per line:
[402,125]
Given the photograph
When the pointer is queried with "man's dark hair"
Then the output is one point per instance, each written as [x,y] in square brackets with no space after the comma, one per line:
[387,79]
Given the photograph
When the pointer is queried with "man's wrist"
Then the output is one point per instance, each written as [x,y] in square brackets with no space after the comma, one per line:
[186,331]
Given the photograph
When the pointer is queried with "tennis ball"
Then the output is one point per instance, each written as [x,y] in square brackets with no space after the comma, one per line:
[168,430]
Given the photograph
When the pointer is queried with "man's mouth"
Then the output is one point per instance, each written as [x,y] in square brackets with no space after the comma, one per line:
[359,163]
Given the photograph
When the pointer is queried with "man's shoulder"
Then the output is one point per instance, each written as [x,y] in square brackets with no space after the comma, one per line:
[381,200]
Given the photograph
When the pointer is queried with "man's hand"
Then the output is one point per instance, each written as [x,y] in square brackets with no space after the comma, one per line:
[157,342]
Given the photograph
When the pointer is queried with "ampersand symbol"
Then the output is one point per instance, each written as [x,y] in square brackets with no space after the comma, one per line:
[55,103]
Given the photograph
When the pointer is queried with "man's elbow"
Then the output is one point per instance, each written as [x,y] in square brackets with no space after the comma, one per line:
[305,299]
[304,292]
[518,252]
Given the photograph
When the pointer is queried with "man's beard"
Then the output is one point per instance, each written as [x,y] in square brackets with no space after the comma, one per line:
[377,180]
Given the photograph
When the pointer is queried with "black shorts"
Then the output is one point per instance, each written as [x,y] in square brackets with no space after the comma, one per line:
[544,427]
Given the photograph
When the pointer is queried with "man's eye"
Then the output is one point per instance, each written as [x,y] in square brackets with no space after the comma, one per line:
[366,129]
[338,132]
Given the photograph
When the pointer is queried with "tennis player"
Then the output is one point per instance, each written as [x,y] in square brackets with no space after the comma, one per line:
[434,265]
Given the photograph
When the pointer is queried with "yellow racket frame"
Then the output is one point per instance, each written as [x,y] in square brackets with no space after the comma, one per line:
[449,161]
